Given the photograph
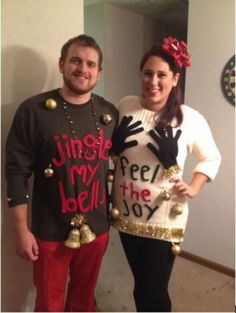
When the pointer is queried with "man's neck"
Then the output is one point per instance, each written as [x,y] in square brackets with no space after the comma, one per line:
[74,98]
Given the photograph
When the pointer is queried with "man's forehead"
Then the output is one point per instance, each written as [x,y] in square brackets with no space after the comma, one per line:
[83,51]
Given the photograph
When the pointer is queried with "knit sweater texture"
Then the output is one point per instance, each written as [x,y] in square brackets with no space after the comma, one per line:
[42,139]
[139,181]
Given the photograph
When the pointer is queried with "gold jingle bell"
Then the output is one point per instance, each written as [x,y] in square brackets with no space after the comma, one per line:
[166,195]
[48,172]
[110,177]
[176,209]
[86,235]
[51,104]
[106,118]
[176,250]
[73,240]
[115,213]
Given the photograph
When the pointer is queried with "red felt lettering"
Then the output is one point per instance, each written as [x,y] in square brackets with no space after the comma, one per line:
[67,205]
[82,196]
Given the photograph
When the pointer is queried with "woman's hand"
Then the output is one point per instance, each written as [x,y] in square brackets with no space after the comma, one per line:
[190,190]
[183,189]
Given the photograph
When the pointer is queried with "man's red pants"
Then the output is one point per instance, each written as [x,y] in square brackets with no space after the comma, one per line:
[51,271]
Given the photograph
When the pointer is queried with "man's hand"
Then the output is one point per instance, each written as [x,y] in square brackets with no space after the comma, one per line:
[26,246]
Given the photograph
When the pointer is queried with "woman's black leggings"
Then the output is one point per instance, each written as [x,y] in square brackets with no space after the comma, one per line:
[151,262]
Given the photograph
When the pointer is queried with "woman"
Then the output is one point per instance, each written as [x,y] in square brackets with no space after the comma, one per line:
[155,135]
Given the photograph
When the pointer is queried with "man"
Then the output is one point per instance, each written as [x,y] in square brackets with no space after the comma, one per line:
[63,137]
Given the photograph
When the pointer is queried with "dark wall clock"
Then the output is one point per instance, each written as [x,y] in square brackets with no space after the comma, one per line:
[228,80]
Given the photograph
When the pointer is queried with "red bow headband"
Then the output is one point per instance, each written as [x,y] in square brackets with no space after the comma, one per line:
[178,51]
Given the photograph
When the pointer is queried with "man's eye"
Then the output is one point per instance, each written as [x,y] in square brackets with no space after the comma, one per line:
[75,61]
[91,65]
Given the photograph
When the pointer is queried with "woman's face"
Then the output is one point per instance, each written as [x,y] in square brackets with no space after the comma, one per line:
[157,81]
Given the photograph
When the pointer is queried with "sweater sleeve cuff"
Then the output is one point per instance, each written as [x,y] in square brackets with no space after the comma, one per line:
[17,191]
[207,169]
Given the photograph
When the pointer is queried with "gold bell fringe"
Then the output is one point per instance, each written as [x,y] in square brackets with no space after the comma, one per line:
[175,169]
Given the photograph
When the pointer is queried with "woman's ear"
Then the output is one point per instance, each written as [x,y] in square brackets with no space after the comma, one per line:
[176,79]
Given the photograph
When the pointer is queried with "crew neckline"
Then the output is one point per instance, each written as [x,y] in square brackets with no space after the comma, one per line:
[73,105]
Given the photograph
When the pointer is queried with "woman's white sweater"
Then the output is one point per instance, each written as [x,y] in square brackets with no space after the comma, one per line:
[139,183]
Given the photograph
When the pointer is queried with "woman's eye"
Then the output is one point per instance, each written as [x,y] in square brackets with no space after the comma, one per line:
[147,74]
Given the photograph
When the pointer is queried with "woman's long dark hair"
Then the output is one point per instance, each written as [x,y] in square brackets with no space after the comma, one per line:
[172,108]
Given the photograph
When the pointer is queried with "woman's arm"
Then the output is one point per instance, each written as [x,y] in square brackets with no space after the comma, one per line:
[191,189]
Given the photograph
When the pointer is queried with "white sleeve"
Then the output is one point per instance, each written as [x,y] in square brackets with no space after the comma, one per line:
[204,148]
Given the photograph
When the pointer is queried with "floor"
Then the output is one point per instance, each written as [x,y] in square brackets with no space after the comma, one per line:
[193,287]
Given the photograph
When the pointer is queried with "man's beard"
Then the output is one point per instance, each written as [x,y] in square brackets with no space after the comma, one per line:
[75,89]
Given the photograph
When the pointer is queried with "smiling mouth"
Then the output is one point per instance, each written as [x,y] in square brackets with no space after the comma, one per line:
[80,77]
[153,92]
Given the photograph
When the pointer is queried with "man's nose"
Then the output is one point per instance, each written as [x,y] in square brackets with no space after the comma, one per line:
[82,66]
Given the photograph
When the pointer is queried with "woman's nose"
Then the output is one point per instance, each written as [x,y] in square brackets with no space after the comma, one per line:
[154,80]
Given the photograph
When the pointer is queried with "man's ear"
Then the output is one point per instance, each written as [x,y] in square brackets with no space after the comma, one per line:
[99,74]
[61,65]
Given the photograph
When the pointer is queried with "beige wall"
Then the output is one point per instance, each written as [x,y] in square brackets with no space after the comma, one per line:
[124,35]
[127,35]
[211,39]
[94,25]
[32,35]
